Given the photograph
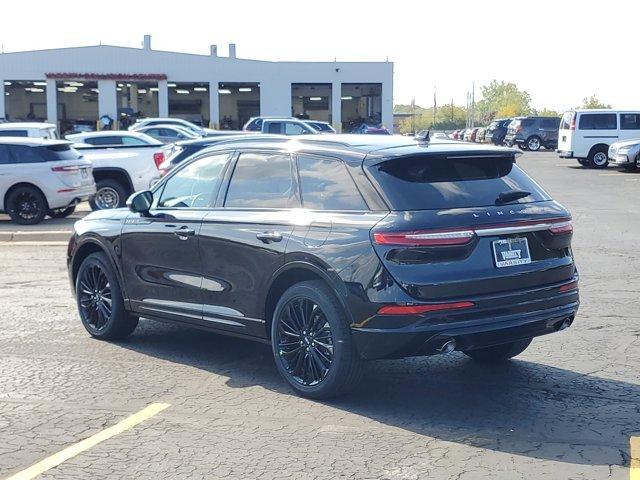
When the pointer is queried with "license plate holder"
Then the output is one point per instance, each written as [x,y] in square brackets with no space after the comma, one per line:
[510,252]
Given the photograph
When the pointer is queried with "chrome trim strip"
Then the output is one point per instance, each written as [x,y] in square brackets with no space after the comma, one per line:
[489,232]
[224,322]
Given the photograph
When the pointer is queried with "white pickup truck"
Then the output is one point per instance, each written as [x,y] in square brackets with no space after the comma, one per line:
[123,162]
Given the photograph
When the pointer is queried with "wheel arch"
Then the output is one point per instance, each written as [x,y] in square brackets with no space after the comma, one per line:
[296,272]
[114,173]
[597,146]
[88,247]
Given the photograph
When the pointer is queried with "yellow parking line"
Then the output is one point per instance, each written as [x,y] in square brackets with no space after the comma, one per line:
[77,448]
[634,468]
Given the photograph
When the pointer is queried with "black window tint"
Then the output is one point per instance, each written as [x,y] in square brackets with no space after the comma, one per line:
[274,127]
[426,183]
[630,121]
[528,122]
[598,121]
[550,123]
[24,154]
[55,153]
[5,156]
[327,185]
[195,185]
[13,133]
[154,131]
[112,140]
[262,181]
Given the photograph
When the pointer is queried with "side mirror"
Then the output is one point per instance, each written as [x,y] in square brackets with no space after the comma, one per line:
[140,202]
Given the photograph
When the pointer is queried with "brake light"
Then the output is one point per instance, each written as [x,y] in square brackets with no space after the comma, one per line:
[420,309]
[572,126]
[569,286]
[66,169]
[434,238]
[158,158]
[519,128]
[561,228]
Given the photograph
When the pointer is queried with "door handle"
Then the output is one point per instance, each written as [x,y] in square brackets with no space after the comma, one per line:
[269,237]
[183,233]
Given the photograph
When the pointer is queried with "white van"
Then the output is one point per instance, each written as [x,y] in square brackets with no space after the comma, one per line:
[587,134]
[46,131]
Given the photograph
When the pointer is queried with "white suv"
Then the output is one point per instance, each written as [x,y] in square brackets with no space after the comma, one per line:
[42,177]
[29,129]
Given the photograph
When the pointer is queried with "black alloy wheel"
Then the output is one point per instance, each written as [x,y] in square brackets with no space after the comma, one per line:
[27,206]
[95,297]
[304,341]
[312,343]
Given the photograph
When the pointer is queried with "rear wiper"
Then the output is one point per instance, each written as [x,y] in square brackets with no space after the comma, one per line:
[506,197]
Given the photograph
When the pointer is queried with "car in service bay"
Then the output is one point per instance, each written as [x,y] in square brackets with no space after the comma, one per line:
[336,250]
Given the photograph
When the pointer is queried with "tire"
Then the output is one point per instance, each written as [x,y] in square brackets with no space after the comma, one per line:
[522,146]
[534,143]
[499,353]
[26,205]
[96,286]
[583,161]
[631,168]
[62,212]
[312,343]
[109,194]
[598,158]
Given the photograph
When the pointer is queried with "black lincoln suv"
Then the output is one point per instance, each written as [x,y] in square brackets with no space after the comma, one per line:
[335,249]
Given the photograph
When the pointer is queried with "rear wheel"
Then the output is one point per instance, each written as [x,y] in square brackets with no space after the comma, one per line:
[522,146]
[100,301]
[534,143]
[584,162]
[109,194]
[62,212]
[26,205]
[312,343]
[598,158]
[499,353]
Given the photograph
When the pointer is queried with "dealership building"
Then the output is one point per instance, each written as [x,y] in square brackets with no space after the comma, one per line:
[76,87]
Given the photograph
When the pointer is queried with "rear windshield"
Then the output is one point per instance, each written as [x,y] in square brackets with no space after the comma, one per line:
[55,153]
[435,183]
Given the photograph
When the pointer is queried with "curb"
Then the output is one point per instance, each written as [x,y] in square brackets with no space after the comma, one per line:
[42,236]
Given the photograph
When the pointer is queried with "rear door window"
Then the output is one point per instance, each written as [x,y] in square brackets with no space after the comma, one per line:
[5,155]
[630,121]
[567,119]
[13,133]
[327,185]
[550,123]
[274,127]
[598,121]
[263,180]
[439,182]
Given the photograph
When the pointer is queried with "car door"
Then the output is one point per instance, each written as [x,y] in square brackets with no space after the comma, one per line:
[7,171]
[629,126]
[243,241]
[160,251]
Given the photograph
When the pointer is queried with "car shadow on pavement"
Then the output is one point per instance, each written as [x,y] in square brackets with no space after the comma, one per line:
[519,407]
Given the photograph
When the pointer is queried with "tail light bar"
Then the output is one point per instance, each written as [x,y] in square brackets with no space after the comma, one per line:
[66,169]
[420,309]
[572,126]
[158,158]
[459,237]
[569,287]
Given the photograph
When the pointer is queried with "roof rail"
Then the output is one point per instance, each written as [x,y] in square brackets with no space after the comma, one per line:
[267,138]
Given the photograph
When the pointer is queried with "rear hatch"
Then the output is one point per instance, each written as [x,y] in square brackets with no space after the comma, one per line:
[566,131]
[467,225]
[68,165]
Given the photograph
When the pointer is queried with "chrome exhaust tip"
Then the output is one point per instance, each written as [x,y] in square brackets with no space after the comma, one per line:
[566,323]
[448,346]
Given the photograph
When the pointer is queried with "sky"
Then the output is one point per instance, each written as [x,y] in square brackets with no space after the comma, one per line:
[559,51]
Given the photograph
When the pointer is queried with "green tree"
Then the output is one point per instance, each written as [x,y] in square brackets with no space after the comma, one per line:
[502,100]
[592,102]
[448,117]
[545,112]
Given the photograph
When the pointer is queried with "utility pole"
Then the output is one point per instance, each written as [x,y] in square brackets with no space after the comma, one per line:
[435,107]
[473,104]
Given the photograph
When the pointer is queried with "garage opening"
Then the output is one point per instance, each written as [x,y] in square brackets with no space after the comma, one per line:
[77,106]
[25,100]
[238,102]
[190,101]
[311,101]
[361,103]
[136,100]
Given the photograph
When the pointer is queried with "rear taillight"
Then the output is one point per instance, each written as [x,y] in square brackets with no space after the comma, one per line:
[572,126]
[561,228]
[519,128]
[569,287]
[420,309]
[434,238]
[158,158]
[66,169]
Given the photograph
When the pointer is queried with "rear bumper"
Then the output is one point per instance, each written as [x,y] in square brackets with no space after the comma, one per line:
[71,197]
[471,329]
[565,153]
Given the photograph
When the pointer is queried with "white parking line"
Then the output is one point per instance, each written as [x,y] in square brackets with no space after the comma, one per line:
[634,468]
[77,448]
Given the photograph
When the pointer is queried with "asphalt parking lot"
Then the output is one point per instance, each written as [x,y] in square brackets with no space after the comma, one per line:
[565,409]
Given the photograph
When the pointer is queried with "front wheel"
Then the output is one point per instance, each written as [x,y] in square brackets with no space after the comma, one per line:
[499,353]
[100,301]
[312,343]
